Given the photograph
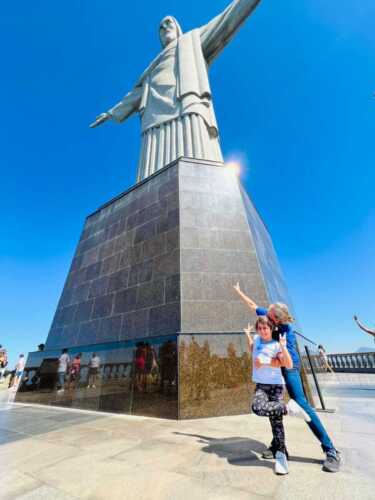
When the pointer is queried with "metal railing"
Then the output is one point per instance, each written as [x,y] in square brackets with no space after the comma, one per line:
[356,362]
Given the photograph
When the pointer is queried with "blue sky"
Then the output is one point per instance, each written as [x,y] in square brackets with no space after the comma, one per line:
[304,127]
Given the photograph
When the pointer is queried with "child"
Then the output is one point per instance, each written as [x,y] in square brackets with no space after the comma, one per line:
[269,388]
[279,315]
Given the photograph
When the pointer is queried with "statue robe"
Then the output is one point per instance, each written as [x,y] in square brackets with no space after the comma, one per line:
[173,95]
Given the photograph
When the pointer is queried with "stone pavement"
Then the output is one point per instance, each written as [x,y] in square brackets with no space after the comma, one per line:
[48,453]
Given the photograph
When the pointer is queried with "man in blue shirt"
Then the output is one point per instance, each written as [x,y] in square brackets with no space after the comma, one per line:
[279,315]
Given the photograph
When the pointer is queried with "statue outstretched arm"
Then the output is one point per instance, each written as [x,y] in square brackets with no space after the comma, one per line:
[219,31]
[125,108]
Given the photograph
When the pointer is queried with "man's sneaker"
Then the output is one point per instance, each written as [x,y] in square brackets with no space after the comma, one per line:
[332,462]
[281,464]
[295,410]
[270,453]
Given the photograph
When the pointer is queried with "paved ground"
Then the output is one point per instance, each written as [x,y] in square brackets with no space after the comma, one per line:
[48,453]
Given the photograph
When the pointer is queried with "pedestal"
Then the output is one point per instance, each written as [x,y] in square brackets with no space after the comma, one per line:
[152,278]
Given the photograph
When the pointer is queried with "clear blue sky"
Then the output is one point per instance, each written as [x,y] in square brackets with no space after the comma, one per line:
[305,128]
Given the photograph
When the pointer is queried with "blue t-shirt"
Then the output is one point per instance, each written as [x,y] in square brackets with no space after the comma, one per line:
[291,341]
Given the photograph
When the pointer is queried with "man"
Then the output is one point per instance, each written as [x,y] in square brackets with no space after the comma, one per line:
[94,365]
[20,365]
[64,361]
[173,95]
[279,315]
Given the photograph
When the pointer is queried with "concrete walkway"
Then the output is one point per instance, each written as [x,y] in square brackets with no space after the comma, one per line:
[48,453]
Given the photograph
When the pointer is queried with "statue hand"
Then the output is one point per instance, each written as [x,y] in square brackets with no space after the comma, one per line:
[103,117]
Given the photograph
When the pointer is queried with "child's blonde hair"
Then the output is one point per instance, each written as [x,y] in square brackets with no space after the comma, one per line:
[281,312]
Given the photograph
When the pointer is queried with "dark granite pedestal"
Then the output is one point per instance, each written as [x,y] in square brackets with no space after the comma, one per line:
[152,278]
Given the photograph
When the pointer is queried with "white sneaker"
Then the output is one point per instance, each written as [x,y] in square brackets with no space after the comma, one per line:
[295,410]
[281,464]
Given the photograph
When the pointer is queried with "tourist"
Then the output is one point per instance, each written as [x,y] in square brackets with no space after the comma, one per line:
[3,362]
[94,365]
[20,365]
[140,366]
[269,389]
[324,359]
[74,371]
[279,314]
[151,365]
[64,361]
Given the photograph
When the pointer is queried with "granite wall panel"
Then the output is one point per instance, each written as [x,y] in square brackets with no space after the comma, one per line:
[124,272]
[216,251]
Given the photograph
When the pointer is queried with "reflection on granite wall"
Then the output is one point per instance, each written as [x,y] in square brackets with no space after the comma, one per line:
[124,279]
[214,375]
[138,378]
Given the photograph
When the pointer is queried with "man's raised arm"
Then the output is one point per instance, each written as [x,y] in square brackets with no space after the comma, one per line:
[363,327]
[217,33]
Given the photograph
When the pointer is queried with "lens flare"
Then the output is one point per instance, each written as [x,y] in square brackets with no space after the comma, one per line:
[234,167]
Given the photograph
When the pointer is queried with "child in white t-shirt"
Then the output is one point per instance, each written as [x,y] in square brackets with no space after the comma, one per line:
[268,354]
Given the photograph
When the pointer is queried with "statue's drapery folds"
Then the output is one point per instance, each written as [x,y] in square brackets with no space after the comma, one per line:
[173,95]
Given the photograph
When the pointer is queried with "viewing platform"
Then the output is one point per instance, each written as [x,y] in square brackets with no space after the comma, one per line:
[59,453]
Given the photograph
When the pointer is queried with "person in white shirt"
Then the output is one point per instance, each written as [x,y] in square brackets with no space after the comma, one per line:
[64,361]
[269,389]
[3,361]
[94,365]
[20,365]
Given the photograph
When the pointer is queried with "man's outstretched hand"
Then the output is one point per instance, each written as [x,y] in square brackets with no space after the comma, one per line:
[103,117]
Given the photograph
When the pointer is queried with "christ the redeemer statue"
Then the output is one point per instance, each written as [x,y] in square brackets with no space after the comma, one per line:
[173,95]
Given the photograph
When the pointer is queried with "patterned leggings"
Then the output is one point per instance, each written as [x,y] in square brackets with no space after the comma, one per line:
[268,402]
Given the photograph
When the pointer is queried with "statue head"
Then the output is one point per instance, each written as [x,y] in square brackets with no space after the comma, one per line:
[169,30]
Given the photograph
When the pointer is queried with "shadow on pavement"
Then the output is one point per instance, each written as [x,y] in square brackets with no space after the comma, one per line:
[240,451]
[23,422]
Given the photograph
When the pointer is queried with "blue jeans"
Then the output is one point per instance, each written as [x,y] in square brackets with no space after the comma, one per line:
[295,389]
[61,376]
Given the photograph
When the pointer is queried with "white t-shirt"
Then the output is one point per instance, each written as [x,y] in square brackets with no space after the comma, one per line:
[95,362]
[20,364]
[266,351]
[63,362]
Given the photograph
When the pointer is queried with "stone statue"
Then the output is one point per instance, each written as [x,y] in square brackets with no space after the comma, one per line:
[173,95]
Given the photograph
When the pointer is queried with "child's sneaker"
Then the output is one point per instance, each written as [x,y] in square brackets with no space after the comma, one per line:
[295,410]
[281,464]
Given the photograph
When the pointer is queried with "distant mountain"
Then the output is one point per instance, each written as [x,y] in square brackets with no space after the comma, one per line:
[366,349]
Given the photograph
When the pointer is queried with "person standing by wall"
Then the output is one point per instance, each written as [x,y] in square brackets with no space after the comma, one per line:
[64,361]
[3,362]
[20,365]
[94,365]
[74,371]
